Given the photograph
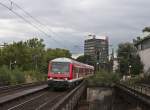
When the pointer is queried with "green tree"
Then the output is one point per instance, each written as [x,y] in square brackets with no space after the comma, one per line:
[85,59]
[5,77]
[146,29]
[138,39]
[129,60]
[52,54]
[28,54]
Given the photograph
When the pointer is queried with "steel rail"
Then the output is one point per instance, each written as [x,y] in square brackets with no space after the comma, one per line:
[50,103]
[7,89]
[27,101]
[22,84]
[44,104]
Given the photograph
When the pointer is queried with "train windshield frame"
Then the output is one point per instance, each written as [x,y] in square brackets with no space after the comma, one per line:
[60,67]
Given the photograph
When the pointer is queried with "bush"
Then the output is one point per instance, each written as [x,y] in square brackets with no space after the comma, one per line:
[17,76]
[138,80]
[8,77]
[33,76]
[5,77]
[103,78]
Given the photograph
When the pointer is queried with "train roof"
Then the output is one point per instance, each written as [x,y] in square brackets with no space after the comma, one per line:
[63,59]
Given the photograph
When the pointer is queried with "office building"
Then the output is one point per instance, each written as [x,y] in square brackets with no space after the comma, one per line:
[97,48]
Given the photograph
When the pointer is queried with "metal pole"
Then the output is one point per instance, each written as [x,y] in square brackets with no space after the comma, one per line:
[1,51]
[10,65]
[1,46]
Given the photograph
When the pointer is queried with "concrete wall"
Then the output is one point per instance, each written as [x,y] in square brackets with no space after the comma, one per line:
[105,98]
[145,58]
[100,98]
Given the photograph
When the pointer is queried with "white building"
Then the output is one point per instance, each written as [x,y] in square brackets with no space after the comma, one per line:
[143,47]
[115,64]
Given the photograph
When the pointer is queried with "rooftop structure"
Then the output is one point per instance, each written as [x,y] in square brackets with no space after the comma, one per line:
[97,48]
[143,43]
[143,47]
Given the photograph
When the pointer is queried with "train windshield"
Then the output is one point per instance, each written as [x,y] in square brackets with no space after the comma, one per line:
[60,67]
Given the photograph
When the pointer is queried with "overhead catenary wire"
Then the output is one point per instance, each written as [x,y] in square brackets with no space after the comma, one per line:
[27,21]
[39,22]
[24,19]
[35,19]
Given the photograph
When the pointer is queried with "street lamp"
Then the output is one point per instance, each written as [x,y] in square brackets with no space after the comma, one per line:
[12,63]
[97,64]
[130,69]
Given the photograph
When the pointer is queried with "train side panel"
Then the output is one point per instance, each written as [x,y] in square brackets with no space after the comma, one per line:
[76,73]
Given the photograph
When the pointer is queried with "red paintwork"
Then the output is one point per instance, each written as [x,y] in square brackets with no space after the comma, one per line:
[49,68]
[70,71]
[71,75]
[59,76]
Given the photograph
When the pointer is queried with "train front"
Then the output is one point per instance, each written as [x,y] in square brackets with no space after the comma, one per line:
[59,73]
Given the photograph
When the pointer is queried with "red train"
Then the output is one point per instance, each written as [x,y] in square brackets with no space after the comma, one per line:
[65,72]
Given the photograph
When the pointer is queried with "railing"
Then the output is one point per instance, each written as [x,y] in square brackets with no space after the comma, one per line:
[141,89]
[70,101]
[138,88]
[139,92]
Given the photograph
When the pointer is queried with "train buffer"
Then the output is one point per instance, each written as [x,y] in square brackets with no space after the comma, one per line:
[19,94]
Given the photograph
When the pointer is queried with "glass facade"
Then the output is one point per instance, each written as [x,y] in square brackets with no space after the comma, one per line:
[97,49]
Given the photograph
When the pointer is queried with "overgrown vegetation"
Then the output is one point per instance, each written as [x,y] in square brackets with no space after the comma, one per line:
[129,61]
[17,76]
[85,59]
[137,80]
[132,81]
[26,61]
[103,78]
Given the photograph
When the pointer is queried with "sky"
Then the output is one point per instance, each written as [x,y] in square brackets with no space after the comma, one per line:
[67,22]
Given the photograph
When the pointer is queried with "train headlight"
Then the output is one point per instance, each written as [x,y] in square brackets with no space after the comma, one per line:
[51,78]
[66,78]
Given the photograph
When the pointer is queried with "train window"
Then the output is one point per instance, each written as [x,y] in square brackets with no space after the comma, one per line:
[77,70]
[74,70]
[60,67]
[80,70]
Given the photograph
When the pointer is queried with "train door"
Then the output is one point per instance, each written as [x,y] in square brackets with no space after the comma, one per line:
[73,72]
[77,72]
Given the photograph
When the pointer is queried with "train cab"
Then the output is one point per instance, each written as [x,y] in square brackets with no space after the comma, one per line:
[65,72]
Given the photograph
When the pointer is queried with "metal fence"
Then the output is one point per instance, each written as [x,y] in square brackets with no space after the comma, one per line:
[141,93]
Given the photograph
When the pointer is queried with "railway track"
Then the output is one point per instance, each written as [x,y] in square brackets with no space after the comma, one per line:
[36,97]
[39,101]
[6,90]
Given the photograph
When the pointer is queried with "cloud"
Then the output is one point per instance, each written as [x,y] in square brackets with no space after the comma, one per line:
[68,21]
